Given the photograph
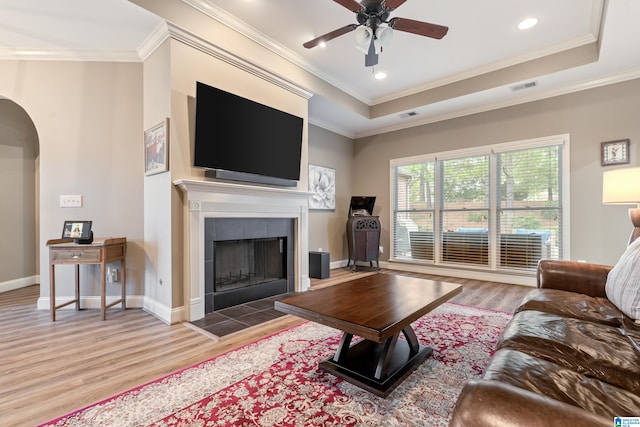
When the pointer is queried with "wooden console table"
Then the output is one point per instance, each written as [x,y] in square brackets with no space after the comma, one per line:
[100,252]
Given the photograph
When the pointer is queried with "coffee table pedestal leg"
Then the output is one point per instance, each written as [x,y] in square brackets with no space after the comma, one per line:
[377,367]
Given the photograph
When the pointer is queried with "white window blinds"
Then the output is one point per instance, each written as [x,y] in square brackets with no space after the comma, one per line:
[496,207]
[529,206]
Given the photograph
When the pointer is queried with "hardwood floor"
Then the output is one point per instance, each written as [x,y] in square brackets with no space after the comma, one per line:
[52,368]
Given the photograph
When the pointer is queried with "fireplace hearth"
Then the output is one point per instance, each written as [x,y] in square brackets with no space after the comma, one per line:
[246,259]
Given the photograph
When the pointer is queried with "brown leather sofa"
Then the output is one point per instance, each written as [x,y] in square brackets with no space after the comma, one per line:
[568,357]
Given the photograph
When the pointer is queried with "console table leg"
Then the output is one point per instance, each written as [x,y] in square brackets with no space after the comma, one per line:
[103,291]
[52,292]
[124,283]
[77,287]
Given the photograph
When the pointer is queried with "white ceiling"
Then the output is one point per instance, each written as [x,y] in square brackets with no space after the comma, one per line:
[482,39]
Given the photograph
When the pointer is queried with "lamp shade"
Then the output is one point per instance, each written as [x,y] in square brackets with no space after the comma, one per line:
[363,39]
[621,186]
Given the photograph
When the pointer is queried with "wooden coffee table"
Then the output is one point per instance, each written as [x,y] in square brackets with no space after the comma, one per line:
[377,308]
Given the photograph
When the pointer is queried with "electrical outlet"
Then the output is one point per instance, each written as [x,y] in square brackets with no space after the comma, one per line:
[381,248]
[74,201]
[113,275]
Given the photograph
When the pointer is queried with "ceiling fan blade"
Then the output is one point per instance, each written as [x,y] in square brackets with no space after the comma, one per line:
[329,36]
[394,4]
[418,27]
[352,5]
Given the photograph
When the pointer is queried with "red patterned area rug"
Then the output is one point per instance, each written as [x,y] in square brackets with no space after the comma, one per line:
[276,382]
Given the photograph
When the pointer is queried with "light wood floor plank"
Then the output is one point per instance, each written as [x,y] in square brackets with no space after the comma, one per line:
[52,368]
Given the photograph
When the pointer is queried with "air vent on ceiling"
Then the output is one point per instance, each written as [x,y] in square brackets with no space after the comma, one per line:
[408,114]
[522,86]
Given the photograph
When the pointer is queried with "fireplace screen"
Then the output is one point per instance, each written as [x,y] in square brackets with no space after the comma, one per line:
[244,263]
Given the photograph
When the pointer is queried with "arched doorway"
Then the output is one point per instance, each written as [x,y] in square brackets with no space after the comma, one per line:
[19,169]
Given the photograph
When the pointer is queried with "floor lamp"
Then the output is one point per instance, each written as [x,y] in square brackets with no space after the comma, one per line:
[622,187]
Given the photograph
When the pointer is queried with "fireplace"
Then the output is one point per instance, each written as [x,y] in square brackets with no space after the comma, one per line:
[243,263]
[246,259]
[208,200]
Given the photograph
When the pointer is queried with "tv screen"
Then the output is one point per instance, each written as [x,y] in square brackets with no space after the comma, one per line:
[76,230]
[236,134]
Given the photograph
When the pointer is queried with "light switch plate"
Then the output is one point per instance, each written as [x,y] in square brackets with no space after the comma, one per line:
[73,201]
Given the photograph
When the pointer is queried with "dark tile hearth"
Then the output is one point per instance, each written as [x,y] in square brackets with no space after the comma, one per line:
[234,319]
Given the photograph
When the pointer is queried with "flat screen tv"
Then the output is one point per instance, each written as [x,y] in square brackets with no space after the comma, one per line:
[244,140]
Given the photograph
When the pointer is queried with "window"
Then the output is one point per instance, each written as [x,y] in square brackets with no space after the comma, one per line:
[415,208]
[464,191]
[529,210]
[496,207]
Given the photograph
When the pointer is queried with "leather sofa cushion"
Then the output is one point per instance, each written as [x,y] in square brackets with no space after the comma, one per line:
[576,306]
[560,383]
[599,351]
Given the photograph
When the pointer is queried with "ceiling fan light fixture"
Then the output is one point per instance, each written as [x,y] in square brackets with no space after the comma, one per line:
[383,38]
[528,23]
[363,39]
[322,44]
[380,75]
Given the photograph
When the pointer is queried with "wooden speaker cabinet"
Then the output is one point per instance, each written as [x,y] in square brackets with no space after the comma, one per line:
[363,232]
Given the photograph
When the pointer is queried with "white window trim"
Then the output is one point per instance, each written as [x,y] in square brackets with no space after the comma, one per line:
[491,272]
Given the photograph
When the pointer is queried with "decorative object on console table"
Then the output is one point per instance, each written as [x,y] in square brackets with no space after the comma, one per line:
[156,148]
[322,183]
[319,265]
[615,152]
[363,231]
[622,187]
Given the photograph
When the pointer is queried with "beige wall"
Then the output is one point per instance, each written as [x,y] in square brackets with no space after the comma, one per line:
[327,228]
[158,229]
[598,233]
[88,117]
[189,65]
[18,228]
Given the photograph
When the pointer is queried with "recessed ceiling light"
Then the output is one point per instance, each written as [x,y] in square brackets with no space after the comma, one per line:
[525,24]
[380,75]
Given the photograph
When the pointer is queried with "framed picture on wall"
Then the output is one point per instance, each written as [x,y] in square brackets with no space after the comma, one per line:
[156,148]
[615,152]
[322,183]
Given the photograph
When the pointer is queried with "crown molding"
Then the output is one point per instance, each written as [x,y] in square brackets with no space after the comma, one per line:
[225,18]
[192,40]
[489,68]
[578,87]
[154,40]
[331,128]
[84,55]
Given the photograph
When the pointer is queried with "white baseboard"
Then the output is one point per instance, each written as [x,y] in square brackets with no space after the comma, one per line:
[490,276]
[10,285]
[89,302]
[161,311]
[167,314]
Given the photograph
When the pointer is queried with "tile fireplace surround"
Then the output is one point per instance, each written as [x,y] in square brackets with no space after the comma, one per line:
[213,199]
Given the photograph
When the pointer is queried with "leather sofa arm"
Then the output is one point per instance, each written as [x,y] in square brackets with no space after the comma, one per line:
[580,277]
[486,403]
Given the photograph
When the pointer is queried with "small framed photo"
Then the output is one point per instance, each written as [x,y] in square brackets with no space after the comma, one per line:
[156,148]
[615,152]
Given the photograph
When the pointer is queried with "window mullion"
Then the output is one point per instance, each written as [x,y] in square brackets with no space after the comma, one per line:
[494,181]
[437,216]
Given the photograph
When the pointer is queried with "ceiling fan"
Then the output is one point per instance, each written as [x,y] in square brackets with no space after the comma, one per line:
[371,34]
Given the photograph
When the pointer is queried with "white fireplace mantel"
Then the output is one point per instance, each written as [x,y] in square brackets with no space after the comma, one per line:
[213,199]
